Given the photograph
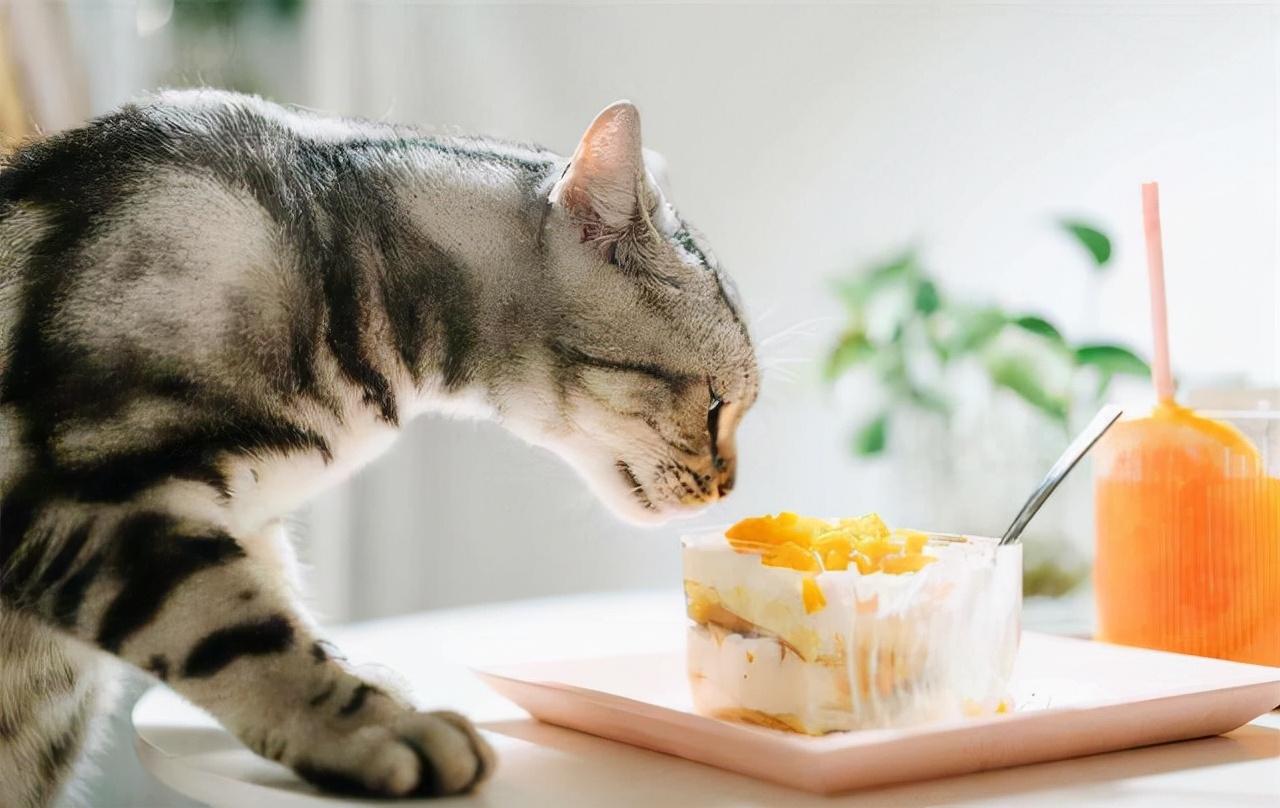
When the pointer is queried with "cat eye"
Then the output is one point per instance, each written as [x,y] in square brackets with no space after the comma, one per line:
[713,427]
[673,379]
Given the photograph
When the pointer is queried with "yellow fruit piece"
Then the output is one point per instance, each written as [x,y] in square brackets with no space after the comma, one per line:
[808,544]
[870,526]
[791,555]
[876,549]
[834,548]
[913,541]
[755,534]
[812,595]
[752,534]
[836,559]
[812,526]
[898,564]
[835,539]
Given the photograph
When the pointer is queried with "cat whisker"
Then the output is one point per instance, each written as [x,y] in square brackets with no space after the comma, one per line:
[780,373]
[802,328]
[390,109]
[759,317]
[774,361]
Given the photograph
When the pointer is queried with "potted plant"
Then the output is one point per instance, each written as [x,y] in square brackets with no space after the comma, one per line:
[972,398]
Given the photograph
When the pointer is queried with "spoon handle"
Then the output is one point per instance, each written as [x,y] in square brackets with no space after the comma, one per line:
[1077,449]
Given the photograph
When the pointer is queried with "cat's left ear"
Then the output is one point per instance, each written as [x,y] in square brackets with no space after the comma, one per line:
[606,186]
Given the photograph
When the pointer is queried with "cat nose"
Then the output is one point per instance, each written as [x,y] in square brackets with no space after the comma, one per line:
[726,475]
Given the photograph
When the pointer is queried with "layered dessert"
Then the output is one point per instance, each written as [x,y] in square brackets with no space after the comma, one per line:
[816,626]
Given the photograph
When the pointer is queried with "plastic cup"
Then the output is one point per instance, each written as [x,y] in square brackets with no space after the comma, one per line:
[885,651]
[1188,534]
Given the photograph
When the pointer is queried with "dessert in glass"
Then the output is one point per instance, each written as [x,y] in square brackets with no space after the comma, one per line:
[817,626]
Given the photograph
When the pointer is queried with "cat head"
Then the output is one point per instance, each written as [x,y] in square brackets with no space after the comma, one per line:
[649,363]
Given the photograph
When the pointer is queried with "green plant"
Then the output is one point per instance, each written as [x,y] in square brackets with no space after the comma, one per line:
[910,333]
[225,13]
[1052,567]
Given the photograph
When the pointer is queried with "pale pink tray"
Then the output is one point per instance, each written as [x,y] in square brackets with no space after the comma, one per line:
[1074,697]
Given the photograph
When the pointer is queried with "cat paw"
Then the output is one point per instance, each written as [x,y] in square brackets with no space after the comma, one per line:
[414,755]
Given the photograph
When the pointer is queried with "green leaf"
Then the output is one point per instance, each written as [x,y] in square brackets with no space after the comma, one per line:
[854,293]
[1112,360]
[974,328]
[927,298]
[1104,384]
[871,437]
[858,290]
[928,399]
[1041,326]
[891,367]
[1092,239]
[1024,374]
[939,328]
[905,264]
[852,349]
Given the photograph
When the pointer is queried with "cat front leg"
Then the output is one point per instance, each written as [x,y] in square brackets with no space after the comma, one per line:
[212,615]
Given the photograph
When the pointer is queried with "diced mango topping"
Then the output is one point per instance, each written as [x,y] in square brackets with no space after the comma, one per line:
[913,540]
[756,532]
[834,559]
[865,565]
[899,563]
[813,545]
[870,525]
[876,549]
[791,555]
[812,595]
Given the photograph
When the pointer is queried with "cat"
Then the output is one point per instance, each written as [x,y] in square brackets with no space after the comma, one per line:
[213,306]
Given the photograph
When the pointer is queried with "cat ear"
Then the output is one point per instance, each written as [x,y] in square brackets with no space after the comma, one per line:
[606,184]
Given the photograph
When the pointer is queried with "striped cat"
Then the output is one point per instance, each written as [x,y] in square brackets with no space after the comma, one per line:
[212,307]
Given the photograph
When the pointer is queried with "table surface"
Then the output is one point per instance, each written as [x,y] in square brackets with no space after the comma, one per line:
[541,765]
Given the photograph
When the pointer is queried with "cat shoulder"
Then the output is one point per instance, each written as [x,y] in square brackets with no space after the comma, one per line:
[240,116]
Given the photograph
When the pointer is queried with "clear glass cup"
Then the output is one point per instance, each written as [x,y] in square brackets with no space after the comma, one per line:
[1188,534]
[885,650]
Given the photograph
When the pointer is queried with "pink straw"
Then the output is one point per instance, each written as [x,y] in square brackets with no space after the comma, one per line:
[1159,310]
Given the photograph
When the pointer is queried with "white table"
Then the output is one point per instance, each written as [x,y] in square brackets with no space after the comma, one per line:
[542,765]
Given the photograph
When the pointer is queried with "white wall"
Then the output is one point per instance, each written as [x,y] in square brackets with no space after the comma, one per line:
[804,140]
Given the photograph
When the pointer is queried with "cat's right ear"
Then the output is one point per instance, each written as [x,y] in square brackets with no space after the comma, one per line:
[605,188]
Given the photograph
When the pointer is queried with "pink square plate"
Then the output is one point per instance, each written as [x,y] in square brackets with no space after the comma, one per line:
[1073,697]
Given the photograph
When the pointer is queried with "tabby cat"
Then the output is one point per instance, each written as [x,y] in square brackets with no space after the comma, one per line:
[212,307]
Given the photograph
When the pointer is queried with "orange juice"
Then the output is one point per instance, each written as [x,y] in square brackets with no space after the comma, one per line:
[1188,537]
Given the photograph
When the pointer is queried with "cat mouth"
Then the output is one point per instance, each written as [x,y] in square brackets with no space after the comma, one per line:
[634,485]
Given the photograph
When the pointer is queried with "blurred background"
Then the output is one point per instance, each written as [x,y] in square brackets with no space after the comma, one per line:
[931,209]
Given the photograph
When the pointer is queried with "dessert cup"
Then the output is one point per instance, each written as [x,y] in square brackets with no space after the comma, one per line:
[885,649]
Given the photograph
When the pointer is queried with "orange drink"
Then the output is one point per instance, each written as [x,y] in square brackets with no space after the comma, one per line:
[1188,534]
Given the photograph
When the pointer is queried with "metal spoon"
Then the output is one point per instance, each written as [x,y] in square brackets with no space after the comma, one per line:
[1077,449]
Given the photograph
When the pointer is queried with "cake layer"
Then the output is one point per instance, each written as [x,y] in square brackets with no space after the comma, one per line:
[756,679]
